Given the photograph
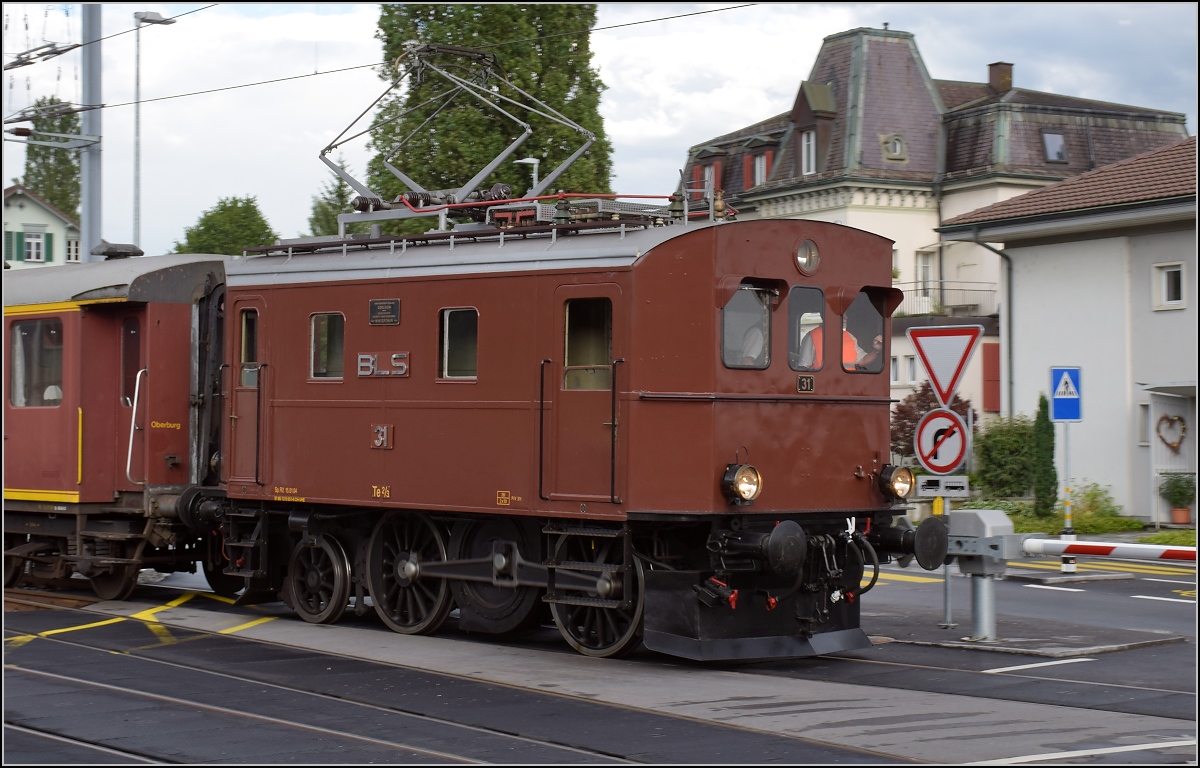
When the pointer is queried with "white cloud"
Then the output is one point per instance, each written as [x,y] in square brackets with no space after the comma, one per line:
[671,84]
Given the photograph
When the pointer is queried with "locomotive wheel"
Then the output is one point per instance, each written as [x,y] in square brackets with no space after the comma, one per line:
[485,607]
[319,577]
[117,584]
[410,606]
[14,567]
[592,630]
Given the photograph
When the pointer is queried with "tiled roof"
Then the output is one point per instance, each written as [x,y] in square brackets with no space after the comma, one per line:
[1156,175]
[20,189]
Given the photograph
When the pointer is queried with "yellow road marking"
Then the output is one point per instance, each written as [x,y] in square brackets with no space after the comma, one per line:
[1126,567]
[905,577]
[247,625]
[18,641]
[218,598]
[49,632]
[162,633]
[148,614]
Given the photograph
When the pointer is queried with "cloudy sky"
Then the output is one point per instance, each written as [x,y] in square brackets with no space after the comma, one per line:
[671,83]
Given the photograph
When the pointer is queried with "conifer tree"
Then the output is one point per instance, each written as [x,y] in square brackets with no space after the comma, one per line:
[50,173]
[233,224]
[545,51]
[1045,478]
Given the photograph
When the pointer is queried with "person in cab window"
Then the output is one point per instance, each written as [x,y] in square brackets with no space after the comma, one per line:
[812,349]
[862,336]
[754,344]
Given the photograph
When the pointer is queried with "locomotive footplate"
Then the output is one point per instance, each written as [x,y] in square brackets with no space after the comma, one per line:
[679,622]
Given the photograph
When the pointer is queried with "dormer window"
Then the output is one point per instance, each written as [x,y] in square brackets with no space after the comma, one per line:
[894,147]
[1056,147]
[708,177]
[760,169]
[808,152]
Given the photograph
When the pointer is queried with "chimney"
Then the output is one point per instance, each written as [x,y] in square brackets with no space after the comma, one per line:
[1000,76]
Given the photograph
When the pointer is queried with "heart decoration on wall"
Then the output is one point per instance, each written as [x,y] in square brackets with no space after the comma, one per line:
[1168,427]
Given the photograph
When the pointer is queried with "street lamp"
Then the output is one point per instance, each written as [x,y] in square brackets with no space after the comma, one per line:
[139,18]
[530,161]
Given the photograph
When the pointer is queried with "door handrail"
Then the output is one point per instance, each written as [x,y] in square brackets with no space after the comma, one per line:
[542,428]
[133,427]
[612,489]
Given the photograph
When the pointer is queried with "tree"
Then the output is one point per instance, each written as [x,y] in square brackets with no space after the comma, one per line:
[1045,478]
[334,198]
[535,47]
[233,224]
[53,174]
[910,410]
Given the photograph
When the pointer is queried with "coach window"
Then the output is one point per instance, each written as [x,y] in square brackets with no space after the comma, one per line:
[746,328]
[458,344]
[249,361]
[131,358]
[588,343]
[36,363]
[862,335]
[806,328]
[328,346]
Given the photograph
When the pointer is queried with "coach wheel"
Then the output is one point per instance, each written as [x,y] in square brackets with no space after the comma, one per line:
[411,605]
[484,607]
[213,564]
[595,630]
[118,583]
[14,567]
[319,577]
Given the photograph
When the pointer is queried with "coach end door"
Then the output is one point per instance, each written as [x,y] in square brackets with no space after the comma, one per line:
[585,381]
[247,403]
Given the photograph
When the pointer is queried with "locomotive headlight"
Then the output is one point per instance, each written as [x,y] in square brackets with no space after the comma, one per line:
[896,481]
[742,483]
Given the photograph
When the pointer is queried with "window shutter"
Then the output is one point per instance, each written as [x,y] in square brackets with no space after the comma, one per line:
[770,162]
[20,251]
[8,246]
[991,378]
[717,181]
[697,179]
[747,172]
[48,254]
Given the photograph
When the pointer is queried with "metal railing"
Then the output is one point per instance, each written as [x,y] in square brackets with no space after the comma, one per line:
[954,298]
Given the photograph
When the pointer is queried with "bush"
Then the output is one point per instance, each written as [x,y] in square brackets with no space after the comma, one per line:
[1093,512]
[1185,538]
[1004,457]
[1091,499]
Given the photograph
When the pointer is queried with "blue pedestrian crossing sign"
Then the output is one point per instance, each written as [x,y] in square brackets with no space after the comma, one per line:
[1064,398]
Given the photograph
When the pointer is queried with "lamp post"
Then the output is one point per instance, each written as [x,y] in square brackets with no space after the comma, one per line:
[139,18]
[530,161]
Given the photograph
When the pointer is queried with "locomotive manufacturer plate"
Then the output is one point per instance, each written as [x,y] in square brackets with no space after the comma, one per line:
[806,384]
[385,312]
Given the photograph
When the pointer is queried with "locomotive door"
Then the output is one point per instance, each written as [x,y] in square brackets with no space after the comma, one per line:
[249,373]
[584,431]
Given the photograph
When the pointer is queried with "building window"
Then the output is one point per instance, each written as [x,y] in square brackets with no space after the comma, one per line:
[894,147]
[72,249]
[328,334]
[1168,286]
[708,178]
[458,348]
[911,365]
[1143,424]
[760,169]
[34,246]
[895,370]
[924,272]
[36,363]
[1056,147]
[808,152]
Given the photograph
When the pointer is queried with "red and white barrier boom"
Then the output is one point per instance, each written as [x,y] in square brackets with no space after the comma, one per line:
[1099,548]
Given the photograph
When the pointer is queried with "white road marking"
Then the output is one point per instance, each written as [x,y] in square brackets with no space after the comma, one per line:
[1086,752]
[1032,666]
[1170,581]
[1164,599]
[1060,589]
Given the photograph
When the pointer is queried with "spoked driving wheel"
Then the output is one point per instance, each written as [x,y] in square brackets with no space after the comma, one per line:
[319,577]
[592,625]
[406,601]
[485,607]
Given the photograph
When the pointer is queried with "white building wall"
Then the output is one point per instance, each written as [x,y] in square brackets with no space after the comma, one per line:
[20,211]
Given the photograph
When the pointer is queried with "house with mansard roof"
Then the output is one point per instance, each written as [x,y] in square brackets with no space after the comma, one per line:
[36,233]
[1101,275]
[874,142]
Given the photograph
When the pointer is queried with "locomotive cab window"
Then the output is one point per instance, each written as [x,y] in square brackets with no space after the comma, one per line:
[458,345]
[249,357]
[36,363]
[806,328]
[131,358]
[328,346]
[862,335]
[746,328]
[588,344]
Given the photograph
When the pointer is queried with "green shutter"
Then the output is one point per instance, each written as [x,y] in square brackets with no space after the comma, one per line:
[8,246]
[48,254]
[20,238]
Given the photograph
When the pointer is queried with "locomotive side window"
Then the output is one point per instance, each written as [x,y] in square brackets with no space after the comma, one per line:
[36,363]
[746,328]
[862,335]
[249,361]
[588,350]
[328,346]
[131,358]
[806,328]
[458,344]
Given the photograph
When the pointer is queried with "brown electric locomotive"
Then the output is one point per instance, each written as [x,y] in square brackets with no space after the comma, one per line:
[649,423]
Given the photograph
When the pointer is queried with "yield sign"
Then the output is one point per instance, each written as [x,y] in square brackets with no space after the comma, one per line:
[945,351]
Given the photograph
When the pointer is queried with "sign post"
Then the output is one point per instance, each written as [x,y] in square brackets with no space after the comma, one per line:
[1066,406]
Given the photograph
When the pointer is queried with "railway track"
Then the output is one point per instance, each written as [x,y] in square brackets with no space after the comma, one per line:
[38,599]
